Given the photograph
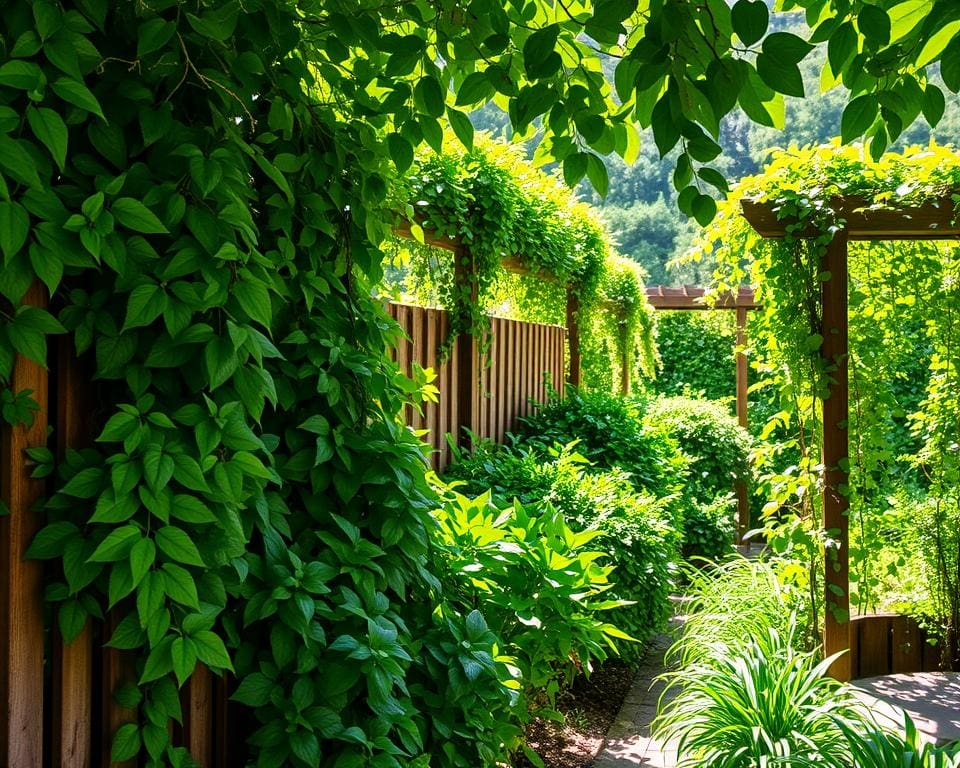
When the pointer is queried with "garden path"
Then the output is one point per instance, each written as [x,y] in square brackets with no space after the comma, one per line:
[628,741]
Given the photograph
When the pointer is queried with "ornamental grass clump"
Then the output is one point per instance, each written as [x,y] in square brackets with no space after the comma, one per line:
[757,703]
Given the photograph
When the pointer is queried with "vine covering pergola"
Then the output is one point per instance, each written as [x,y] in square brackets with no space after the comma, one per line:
[858,219]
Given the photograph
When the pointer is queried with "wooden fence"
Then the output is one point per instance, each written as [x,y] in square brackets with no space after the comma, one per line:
[887,643]
[485,395]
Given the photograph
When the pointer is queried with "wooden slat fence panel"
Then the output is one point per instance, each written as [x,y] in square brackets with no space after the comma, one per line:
[21,598]
[512,373]
[883,644]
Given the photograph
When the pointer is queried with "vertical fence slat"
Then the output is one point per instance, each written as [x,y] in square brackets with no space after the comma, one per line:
[874,647]
[907,645]
[433,411]
[21,602]
[72,676]
[118,670]
[198,712]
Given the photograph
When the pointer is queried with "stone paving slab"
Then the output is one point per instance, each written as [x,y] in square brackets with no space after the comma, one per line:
[628,741]
[932,699]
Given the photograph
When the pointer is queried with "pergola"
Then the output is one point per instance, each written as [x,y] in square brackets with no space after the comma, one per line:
[689,297]
[931,220]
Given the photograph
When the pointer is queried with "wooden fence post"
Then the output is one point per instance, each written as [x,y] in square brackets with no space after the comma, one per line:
[743,500]
[21,598]
[72,722]
[468,364]
[573,337]
[835,454]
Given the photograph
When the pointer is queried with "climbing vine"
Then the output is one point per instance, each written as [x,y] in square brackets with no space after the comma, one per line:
[891,292]
[494,204]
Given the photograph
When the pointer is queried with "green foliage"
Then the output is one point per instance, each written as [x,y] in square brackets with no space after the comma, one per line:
[497,205]
[708,528]
[640,537]
[716,446]
[543,595]
[892,289]
[696,354]
[611,433]
[761,702]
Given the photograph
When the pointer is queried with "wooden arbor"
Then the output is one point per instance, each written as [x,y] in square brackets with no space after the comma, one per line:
[690,297]
[932,220]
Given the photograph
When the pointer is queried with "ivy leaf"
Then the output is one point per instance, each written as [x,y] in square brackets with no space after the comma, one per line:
[858,116]
[117,544]
[177,545]
[135,216]
[211,650]
[221,360]
[14,228]
[126,743]
[16,162]
[71,618]
[597,173]
[934,105]
[184,658]
[76,93]
[50,129]
[145,304]
[85,484]
[750,19]
[254,690]
[191,510]
[574,168]
[254,298]
[180,586]
[51,541]
[142,555]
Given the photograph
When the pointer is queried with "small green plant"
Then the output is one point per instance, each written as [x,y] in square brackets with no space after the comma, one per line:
[640,536]
[757,703]
[884,748]
[542,591]
[610,432]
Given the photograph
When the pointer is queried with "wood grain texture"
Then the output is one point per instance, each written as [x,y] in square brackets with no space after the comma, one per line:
[72,671]
[199,712]
[835,451]
[21,599]
[933,220]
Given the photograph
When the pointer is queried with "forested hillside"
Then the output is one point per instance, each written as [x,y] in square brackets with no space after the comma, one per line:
[640,208]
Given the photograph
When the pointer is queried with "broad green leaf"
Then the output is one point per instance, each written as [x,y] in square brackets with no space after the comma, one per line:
[177,545]
[76,93]
[874,24]
[475,88]
[117,544]
[126,743]
[750,19]
[50,129]
[144,305]
[184,657]
[142,555]
[51,540]
[462,127]
[24,75]
[180,586]
[211,650]
[14,228]
[905,16]
[429,96]
[401,151]
[17,163]
[135,216]
[858,116]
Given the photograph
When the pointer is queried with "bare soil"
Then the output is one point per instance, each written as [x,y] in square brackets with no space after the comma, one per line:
[589,708]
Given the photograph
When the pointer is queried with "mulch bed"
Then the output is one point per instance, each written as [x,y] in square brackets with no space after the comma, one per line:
[590,708]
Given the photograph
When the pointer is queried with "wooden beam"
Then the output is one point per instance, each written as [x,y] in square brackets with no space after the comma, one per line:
[21,588]
[835,454]
[695,297]
[573,337]
[742,381]
[931,220]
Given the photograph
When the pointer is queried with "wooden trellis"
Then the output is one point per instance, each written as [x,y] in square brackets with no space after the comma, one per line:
[931,220]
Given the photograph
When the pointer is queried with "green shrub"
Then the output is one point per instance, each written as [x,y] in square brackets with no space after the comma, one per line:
[640,538]
[761,702]
[696,354]
[708,528]
[611,433]
[717,448]
[523,574]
